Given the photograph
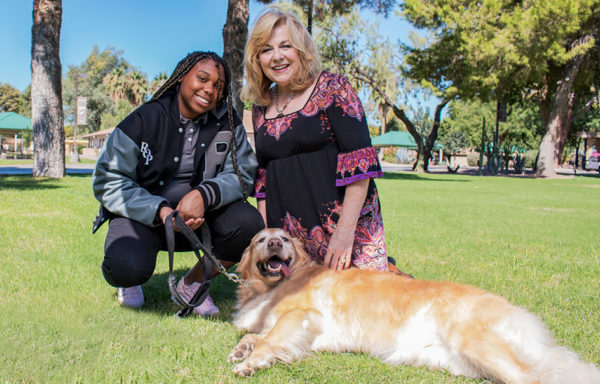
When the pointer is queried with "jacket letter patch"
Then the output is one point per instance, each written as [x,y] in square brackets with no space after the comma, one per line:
[146,153]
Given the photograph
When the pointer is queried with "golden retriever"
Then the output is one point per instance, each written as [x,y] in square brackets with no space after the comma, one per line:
[295,306]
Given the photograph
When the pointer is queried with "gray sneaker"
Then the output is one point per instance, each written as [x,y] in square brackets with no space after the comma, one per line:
[132,297]
[207,308]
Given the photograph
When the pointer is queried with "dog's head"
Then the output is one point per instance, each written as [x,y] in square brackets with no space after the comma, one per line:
[272,256]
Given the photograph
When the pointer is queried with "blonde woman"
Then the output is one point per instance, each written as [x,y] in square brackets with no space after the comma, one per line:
[316,162]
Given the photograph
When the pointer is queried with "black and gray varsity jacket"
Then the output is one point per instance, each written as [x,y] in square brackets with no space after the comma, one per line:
[142,155]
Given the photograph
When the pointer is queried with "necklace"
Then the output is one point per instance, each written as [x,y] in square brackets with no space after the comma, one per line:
[290,97]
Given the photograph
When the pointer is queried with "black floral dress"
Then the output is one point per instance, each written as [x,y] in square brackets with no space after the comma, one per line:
[306,158]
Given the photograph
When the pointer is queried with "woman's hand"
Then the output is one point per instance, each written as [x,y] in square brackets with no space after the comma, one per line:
[339,250]
[191,209]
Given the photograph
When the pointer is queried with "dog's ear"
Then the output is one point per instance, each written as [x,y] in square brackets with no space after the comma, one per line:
[244,263]
[302,257]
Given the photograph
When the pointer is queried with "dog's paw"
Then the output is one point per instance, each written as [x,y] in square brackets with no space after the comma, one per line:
[251,365]
[240,352]
[243,369]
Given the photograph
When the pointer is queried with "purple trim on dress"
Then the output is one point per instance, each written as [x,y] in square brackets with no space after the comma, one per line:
[355,178]
[259,195]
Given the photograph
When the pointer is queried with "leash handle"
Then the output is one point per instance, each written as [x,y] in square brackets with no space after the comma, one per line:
[202,291]
[197,246]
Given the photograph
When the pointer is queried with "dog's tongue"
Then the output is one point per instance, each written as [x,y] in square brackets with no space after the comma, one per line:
[285,269]
[281,265]
[277,263]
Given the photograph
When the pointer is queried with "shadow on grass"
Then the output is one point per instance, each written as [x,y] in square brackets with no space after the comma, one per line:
[422,177]
[26,182]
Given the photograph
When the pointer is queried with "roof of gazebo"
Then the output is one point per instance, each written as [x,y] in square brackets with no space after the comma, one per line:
[12,123]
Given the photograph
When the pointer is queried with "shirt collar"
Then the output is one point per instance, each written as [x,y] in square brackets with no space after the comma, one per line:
[218,112]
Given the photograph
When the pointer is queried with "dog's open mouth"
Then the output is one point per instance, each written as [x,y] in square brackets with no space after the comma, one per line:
[275,266]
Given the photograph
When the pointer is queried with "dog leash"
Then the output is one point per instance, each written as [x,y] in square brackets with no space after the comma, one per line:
[197,247]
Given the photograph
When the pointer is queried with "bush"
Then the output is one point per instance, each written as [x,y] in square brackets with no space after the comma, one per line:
[473,159]
[403,156]
[389,154]
[389,159]
[530,157]
[519,163]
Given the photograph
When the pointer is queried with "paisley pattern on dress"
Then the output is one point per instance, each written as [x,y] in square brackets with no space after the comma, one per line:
[330,89]
[369,250]
[279,125]
[357,165]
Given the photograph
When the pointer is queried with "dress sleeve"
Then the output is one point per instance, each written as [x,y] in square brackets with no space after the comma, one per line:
[261,175]
[357,158]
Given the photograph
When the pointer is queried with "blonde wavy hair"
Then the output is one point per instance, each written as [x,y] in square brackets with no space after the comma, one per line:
[257,87]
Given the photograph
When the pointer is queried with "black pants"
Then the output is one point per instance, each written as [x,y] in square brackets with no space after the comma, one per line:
[131,248]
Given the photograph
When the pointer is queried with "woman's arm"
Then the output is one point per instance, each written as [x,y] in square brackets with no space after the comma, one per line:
[339,250]
[261,204]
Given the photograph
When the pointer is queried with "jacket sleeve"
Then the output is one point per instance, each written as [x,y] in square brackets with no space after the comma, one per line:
[115,183]
[224,188]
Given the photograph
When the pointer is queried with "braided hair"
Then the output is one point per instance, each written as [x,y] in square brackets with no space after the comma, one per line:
[182,69]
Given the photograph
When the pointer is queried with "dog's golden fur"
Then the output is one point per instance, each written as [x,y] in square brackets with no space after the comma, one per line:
[295,306]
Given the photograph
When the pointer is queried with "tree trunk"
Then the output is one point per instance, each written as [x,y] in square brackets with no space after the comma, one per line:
[235,33]
[419,165]
[423,148]
[309,16]
[46,86]
[555,112]
[383,109]
[564,129]
[433,134]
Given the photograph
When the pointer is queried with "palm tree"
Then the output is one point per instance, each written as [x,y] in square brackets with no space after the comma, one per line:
[157,82]
[46,97]
[115,83]
[137,87]
[235,33]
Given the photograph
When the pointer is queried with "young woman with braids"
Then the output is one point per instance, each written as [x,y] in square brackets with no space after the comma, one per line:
[185,149]
[316,162]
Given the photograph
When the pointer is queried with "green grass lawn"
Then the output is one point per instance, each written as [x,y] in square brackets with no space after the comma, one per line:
[533,241]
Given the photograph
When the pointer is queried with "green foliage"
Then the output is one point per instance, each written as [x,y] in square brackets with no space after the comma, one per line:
[321,11]
[126,83]
[394,124]
[493,49]
[113,117]
[467,117]
[531,158]
[453,142]
[533,241]
[97,65]
[111,78]
[26,102]
[157,82]
[10,99]
[522,130]
[587,118]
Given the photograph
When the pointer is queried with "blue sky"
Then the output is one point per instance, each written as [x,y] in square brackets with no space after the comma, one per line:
[152,34]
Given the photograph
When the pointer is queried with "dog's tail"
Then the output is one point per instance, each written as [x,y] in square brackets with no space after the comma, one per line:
[549,363]
[562,366]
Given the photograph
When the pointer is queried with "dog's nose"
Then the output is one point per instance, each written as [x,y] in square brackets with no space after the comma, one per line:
[274,243]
